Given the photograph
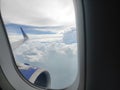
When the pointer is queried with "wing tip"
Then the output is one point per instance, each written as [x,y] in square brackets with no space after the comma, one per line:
[23,33]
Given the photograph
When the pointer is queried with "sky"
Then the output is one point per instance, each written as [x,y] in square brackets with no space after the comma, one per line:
[52,44]
[38,12]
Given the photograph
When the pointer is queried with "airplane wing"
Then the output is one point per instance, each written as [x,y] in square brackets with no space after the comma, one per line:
[20,42]
[35,75]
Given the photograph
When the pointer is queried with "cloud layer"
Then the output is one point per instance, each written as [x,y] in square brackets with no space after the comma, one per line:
[38,12]
[57,54]
[57,58]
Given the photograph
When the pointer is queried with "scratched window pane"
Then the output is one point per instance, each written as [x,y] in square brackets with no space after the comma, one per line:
[43,38]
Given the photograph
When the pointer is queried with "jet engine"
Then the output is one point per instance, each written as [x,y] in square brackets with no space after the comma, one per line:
[35,75]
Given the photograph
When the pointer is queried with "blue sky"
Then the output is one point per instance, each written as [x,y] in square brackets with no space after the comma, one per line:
[15,28]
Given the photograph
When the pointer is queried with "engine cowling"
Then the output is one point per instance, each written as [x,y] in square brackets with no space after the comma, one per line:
[37,76]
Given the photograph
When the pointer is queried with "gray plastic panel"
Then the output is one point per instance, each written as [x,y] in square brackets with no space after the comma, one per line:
[5,85]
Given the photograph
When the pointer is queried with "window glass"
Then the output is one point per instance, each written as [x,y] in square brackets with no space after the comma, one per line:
[43,38]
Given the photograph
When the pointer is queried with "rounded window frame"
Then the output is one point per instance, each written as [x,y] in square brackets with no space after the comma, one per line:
[8,63]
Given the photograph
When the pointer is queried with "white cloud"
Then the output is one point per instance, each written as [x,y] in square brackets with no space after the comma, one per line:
[59,59]
[70,35]
[38,12]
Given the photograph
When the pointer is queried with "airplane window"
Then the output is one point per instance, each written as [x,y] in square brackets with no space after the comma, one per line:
[43,38]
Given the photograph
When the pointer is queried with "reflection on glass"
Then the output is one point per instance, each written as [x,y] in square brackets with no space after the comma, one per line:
[43,38]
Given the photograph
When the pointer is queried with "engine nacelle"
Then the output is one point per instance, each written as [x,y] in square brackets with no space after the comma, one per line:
[35,75]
